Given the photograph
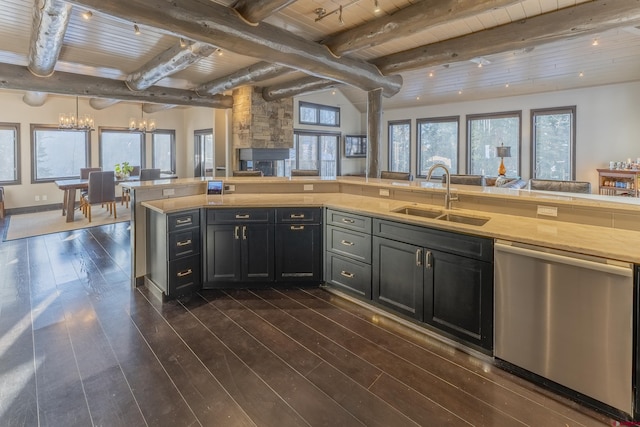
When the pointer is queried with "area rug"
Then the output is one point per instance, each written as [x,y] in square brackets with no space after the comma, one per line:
[35,224]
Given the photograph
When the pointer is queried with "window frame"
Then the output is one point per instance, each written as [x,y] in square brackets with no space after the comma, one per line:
[318,108]
[16,152]
[172,142]
[34,162]
[390,124]
[572,145]
[443,119]
[318,134]
[498,115]
[143,139]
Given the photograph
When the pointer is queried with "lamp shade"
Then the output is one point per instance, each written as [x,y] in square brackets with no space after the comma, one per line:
[503,151]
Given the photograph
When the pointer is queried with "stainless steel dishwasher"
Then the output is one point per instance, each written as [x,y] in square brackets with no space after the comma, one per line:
[566,317]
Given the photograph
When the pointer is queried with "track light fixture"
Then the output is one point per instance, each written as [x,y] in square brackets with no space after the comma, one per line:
[136,29]
[322,13]
[87,14]
[376,6]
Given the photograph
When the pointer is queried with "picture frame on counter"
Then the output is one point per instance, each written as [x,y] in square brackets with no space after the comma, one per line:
[355,145]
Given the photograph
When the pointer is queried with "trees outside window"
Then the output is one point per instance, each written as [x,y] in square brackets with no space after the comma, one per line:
[9,153]
[317,114]
[485,132]
[58,153]
[118,146]
[553,145]
[400,146]
[437,140]
[314,150]
[163,147]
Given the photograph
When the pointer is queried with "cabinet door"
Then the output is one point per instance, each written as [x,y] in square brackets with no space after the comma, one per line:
[298,253]
[223,253]
[398,272]
[458,297]
[257,252]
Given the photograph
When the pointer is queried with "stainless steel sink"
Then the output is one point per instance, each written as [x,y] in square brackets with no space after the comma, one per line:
[441,215]
[463,219]
[424,213]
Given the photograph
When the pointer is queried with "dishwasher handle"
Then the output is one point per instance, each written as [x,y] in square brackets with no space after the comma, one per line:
[566,259]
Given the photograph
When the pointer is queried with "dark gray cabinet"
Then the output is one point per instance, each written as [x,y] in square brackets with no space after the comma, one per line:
[239,247]
[442,278]
[298,245]
[348,252]
[173,252]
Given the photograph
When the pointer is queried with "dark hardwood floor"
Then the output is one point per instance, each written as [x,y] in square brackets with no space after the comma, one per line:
[79,347]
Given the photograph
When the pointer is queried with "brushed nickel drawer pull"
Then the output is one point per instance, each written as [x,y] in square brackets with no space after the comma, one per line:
[244,216]
[184,243]
[297,227]
[185,273]
[183,221]
[428,256]
[296,216]
[235,232]
[347,243]
[418,257]
[347,274]
[348,221]
[244,232]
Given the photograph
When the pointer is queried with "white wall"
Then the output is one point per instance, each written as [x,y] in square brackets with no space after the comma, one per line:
[195,118]
[607,124]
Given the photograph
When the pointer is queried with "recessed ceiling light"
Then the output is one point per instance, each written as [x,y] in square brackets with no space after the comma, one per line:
[417,98]
[87,14]
[581,74]
[430,73]
[136,29]
[507,85]
[460,92]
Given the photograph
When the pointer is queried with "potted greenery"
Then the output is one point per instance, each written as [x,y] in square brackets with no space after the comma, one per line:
[123,170]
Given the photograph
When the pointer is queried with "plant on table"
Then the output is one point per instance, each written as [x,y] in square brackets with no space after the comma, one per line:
[123,169]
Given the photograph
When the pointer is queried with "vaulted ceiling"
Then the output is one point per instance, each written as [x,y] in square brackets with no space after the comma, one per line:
[419,52]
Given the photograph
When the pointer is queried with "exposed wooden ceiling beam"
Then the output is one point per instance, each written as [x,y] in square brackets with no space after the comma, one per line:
[254,11]
[209,22]
[15,77]
[408,21]
[583,19]
[304,85]
[253,73]
[50,20]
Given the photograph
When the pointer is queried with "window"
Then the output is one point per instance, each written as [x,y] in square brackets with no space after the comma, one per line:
[437,143]
[163,147]
[203,152]
[314,150]
[9,153]
[553,133]
[485,132]
[58,153]
[400,146]
[316,114]
[117,146]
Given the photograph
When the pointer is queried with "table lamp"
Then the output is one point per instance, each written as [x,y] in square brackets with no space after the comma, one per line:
[502,152]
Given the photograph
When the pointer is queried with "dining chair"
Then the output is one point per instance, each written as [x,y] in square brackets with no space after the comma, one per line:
[149,174]
[126,192]
[400,176]
[247,173]
[305,172]
[102,189]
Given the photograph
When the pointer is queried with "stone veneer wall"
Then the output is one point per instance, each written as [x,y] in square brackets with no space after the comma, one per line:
[261,124]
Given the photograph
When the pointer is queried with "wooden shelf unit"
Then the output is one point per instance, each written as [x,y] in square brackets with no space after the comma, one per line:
[619,182]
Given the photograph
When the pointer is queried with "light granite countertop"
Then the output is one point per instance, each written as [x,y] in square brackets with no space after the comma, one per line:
[604,242]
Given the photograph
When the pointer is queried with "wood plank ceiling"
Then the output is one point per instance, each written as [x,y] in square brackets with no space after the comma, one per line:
[106,47]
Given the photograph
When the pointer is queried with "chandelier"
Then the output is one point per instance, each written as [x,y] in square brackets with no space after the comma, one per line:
[71,121]
[142,125]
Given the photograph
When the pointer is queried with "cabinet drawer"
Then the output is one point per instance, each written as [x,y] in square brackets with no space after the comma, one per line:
[349,220]
[188,219]
[298,215]
[480,248]
[184,243]
[231,216]
[349,275]
[184,275]
[349,243]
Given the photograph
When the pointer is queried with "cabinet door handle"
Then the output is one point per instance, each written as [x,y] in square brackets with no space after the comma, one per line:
[347,274]
[346,243]
[242,216]
[419,257]
[296,227]
[347,221]
[184,243]
[244,232]
[183,221]
[185,273]
[296,216]
[428,256]
[236,230]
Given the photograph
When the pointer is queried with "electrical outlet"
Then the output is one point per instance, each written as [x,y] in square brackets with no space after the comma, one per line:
[547,210]
[37,198]
[230,187]
[168,192]
[384,192]
[44,197]
[308,187]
